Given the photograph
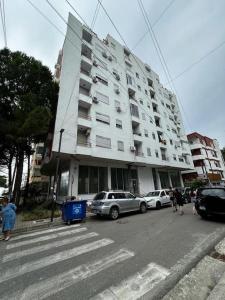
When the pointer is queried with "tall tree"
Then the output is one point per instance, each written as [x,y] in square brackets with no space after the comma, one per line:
[27,105]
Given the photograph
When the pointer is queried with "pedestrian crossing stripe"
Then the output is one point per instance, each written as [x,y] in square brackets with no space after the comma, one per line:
[28,267]
[13,244]
[135,286]
[57,283]
[37,249]
[36,233]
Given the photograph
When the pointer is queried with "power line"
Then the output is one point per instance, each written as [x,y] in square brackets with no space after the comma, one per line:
[95,15]
[72,9]
[153,25]
[198,61]
[111,74]
[2,10]
[160,54]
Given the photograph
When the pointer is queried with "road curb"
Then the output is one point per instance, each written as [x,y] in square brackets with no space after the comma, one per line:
[185,265]
[44,224]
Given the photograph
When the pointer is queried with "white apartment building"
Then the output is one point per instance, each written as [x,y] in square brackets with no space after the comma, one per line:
[123,129]
[207,158]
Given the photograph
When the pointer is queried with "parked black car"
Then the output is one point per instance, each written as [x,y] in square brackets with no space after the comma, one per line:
[210,201]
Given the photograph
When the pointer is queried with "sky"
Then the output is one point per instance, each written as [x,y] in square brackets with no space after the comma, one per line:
[186,32]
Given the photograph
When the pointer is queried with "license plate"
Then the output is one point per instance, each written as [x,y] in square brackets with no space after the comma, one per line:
[202,207]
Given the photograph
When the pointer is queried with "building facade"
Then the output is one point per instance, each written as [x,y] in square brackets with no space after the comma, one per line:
[36,162]
[207,159]
[122,129]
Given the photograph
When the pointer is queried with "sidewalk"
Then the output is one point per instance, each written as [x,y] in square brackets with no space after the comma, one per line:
[25,226]
[198,276]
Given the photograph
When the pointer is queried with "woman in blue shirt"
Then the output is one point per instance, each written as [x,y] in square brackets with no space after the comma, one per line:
[8,218]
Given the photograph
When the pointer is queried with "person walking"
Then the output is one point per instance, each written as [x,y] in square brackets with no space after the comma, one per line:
[8,218]
[193,200]
[179,200]
[173,200]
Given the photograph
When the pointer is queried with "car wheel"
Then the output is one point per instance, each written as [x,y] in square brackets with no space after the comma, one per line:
[158,205]
[114,213]
[143,208]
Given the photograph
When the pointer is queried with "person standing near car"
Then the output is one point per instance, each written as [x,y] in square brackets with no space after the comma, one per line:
[8,218]
[173,200]
[179,200]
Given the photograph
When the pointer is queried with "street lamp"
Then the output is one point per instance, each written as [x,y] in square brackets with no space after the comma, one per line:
[55,187]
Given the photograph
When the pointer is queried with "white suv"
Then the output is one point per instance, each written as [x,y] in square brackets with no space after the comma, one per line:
[157,199]
[112,204]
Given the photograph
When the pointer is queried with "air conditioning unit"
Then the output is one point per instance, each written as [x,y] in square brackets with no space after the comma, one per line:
[95,63]
[95,80]
[106,42]
[95,99]
[88,132]
[117,91]
[118,108]
[139,133]
[132,148]
[110,58]
[104,54]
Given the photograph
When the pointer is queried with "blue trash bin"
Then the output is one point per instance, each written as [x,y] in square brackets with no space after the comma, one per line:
[74,210]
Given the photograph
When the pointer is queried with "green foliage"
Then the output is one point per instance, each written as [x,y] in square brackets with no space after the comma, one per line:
[39,213]
[27,105]
[196,184]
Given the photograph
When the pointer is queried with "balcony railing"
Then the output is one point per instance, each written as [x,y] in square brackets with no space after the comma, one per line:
[139,153]
[84,144]
[84,116]
[85,72]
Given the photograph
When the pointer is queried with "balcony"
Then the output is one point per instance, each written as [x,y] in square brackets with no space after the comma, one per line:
[139,153]
[196,146]
[86,60]
[137,136]
[198,157]
[85,76]
[84,119]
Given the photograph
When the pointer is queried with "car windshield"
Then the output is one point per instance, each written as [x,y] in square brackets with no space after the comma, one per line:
[99,196]
[213,192]
[153,194]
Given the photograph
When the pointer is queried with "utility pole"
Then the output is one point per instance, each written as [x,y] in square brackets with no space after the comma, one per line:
[55,187]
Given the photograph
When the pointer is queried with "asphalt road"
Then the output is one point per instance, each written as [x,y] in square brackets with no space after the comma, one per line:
[99,259]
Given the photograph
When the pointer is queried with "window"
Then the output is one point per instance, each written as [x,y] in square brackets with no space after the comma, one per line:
[148,105]
[102,79]
[163,103]
[151,120]
[174,157]
[103,142]
[101,63]
[102,98]
[153,136]
[120,146]
[163,194]
[118,123]
[40,150]
[102,118]
[114,58]
[171,142]
[93,180]
[144,80]
[148,151]
[174,130]
[137,75]
[130,80]
[141,101]
[168,127]
[156,153]
[146,92]
[146,132]
[143,116]
[134,110]
[113,45]
[139,88]
[119,178]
